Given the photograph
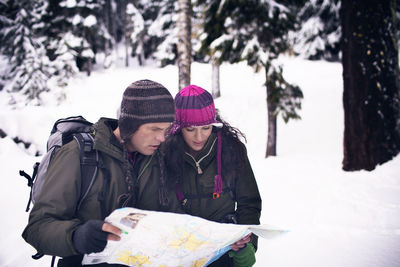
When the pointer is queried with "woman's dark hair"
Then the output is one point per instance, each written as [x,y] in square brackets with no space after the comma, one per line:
[234,153]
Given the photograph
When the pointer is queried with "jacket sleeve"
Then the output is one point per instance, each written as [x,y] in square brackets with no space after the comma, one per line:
[247,196]
[52,219]
[248,199]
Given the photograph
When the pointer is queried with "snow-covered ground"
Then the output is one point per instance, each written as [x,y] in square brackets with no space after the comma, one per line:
[335,218]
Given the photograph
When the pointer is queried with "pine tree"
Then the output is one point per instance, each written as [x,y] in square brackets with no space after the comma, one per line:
[318,36]
[371,97]
[162,32]
[256,31]
[29,67]
[135,32]
[153,31]
[59,43]
[91,35]
[320,31]
[64,63]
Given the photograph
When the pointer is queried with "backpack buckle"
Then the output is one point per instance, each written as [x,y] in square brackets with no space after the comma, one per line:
[215,195]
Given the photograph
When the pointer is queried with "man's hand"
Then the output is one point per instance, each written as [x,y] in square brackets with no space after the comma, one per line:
[113,232]
[92,236]
[241,243]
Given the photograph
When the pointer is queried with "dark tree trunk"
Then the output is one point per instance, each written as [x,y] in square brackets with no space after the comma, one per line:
[371,83]
[272,126]
[184,45]
[120,20]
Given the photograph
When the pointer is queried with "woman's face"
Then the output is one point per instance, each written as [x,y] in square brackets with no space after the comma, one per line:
[196,137]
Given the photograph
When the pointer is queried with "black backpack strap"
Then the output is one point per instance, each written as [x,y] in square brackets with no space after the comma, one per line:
[89,158]
[101,196]
[30,179]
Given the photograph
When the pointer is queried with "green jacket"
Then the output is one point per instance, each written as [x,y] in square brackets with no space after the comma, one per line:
[243,192]
[54,217]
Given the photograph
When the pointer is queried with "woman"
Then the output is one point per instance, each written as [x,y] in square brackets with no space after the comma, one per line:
[214,177]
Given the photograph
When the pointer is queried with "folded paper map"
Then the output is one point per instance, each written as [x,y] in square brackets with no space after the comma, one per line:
[164,239]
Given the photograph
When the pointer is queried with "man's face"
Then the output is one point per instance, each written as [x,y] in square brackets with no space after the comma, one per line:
[148,137]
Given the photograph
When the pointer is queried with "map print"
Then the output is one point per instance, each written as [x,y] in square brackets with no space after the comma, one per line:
[163,239]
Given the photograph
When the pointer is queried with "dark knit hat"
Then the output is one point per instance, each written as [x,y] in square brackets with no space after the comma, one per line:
[144,101]
[194,106]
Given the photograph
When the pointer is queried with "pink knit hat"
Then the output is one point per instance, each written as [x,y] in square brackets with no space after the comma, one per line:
[194,106]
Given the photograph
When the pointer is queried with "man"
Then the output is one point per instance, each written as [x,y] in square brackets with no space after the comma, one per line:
[130,174]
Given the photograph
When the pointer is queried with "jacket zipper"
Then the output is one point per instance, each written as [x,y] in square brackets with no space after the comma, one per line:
[199,171]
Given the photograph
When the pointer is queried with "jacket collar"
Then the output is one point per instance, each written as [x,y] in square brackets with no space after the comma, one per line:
[206,155]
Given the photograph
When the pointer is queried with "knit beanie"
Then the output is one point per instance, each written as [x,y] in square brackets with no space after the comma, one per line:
[194,106]
[144,101]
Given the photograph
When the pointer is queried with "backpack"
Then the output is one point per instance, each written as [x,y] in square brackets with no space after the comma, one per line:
[64,131]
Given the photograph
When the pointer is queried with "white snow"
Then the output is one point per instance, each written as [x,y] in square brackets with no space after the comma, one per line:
[90,21]
[68,3]
[335,218]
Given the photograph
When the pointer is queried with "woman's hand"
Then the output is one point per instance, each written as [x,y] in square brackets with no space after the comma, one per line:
[241,243]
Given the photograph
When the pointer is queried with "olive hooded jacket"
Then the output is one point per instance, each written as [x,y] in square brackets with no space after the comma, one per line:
[54,216]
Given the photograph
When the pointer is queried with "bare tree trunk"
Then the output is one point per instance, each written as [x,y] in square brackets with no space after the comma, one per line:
[141,56]
[109,20]
[371,96]
[271,140]
[215,80]
[272,126]
[127,54]
[126,26]
[184,45]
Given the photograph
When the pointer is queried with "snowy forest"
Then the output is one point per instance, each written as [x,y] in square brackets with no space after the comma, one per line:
[314,85]
[45,43]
